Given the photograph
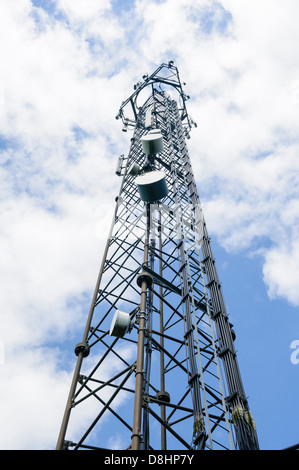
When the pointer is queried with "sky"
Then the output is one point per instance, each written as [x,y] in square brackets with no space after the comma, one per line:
[66,66]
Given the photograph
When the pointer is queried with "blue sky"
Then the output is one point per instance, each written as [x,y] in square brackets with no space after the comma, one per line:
[66,66]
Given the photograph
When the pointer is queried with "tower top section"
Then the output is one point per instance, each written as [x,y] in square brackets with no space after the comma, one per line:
[165,80]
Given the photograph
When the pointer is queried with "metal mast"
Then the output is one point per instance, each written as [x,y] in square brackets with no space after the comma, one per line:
[156,367]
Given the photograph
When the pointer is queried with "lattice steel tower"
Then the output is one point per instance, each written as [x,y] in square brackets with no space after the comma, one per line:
[157,367]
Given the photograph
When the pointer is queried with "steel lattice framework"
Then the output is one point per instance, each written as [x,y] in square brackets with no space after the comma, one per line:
[173,381]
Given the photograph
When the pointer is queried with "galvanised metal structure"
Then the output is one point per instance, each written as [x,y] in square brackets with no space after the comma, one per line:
[169,378]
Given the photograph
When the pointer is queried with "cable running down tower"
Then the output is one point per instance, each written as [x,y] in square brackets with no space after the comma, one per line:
[156,367]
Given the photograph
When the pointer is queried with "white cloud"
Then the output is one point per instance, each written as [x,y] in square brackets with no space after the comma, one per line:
[42,262]
[76,13]
[31,405]
[93,19]
[281,272]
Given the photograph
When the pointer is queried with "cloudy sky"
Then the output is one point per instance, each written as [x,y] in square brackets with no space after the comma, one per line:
[66,66]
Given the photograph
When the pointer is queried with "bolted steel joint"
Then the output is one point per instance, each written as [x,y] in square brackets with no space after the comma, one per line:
[163,396]
[82,348]
[144,276]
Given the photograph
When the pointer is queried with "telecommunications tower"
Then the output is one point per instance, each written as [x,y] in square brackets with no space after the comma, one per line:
[156,368]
